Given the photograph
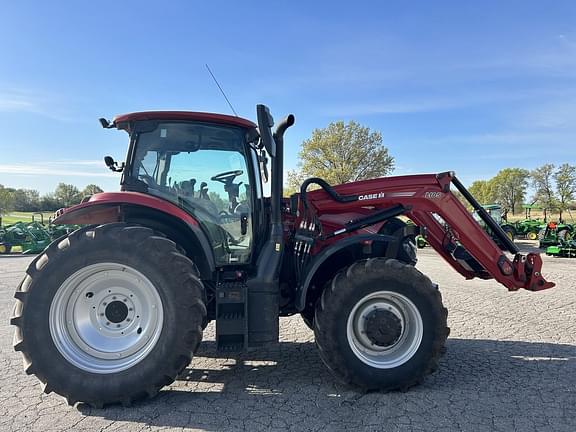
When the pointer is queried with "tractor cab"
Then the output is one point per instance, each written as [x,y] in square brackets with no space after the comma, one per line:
[208,169]
[495,212]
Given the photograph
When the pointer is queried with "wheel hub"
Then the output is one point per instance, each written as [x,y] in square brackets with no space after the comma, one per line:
[106,318]
[116,311]
[383,327]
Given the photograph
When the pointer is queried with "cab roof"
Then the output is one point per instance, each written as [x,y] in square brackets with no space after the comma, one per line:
[184,116]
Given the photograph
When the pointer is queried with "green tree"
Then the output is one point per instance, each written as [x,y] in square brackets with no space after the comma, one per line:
[342,153]
[509,187]
[67,195]
[482,190]
[542,181]
[6,200]
[91,189]
[565,177]
[49,203]
[25,200]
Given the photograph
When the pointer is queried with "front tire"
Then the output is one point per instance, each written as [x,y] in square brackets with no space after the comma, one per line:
[109,314]
[381,325]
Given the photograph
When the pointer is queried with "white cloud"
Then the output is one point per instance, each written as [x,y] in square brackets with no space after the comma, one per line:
[33,102]
[17,101]
[550,115]
[454,100]
[58,168]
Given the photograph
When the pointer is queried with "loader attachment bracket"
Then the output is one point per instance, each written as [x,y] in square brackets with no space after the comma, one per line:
[527,269]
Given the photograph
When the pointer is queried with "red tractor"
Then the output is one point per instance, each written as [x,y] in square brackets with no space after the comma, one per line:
[114,311]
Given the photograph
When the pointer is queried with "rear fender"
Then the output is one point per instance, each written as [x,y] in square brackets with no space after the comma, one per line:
[177,225]
[337,256]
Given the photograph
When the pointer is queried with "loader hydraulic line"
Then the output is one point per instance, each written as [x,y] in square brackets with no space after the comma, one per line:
[372,219]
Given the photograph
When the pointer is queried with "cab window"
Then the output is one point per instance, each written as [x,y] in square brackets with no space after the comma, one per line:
[202,168]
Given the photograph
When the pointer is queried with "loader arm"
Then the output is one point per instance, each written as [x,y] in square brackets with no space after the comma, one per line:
[446,223]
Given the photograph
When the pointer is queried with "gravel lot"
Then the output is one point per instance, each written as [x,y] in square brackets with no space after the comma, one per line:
[510,365]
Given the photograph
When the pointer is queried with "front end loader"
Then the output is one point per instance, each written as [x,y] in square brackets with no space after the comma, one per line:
[114,311]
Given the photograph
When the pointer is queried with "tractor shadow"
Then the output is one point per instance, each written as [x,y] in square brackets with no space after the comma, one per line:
[288,384]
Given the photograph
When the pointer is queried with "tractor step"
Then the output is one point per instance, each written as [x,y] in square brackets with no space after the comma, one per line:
[231,316]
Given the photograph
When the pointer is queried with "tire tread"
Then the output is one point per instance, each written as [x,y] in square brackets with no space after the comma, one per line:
[342,285]
[190,297]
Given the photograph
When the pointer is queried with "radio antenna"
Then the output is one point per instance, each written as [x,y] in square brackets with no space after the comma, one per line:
[221,91]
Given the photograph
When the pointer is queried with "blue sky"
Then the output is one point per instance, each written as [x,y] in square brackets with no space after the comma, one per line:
[466,86]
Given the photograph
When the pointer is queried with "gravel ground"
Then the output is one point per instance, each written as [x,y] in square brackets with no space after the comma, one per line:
[510,365]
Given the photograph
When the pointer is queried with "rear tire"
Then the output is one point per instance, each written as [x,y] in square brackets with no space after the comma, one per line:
[509,231]
[5,248]
[564,234]
[381,325]
[109,314]
[532,235]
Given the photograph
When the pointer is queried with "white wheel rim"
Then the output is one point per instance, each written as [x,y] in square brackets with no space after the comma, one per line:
[407,319]
[106,317]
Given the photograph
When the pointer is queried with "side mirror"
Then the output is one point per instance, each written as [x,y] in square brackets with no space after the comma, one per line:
[113,165]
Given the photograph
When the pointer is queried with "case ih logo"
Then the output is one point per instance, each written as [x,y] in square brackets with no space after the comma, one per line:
[387,194]
[371,196]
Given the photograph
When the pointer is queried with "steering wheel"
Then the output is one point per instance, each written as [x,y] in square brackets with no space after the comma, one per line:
[227,177]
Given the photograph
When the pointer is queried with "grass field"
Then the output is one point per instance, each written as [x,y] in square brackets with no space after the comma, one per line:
[569,217]
[14,217]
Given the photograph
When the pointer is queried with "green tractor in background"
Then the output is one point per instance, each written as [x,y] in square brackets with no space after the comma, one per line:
[554,234]
[421,241]
[499,215]
[527,227]
[565,249]
[31,237]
